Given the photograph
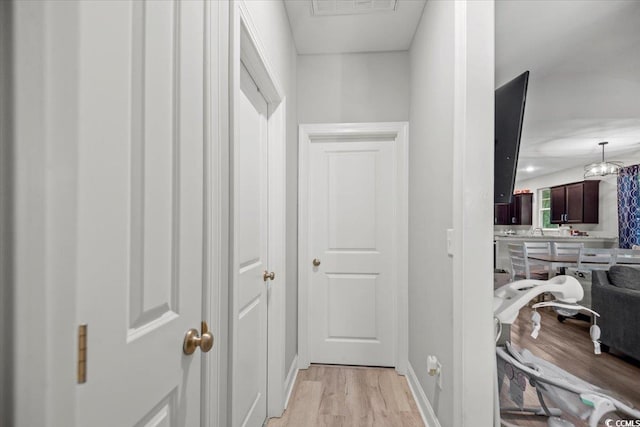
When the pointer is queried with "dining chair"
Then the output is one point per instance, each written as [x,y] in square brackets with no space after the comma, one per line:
[589,260]
[595,259]
[629,257]
[566,248]
[537,248]
[520,268]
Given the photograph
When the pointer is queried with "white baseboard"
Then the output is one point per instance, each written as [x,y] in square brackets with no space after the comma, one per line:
[290,380]
[424,406]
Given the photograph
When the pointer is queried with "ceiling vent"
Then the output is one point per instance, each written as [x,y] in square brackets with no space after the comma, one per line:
[351,7]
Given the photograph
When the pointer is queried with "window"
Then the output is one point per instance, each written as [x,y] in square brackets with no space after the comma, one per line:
[544,209]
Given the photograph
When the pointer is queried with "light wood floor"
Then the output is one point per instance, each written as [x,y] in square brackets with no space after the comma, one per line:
[349,396]
[340,396]
[568,345]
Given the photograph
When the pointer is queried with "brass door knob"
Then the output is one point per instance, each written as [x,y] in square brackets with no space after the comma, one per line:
[316,262]
[268,276]
[193,340]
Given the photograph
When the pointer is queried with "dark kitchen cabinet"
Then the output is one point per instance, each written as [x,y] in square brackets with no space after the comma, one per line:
[502,213]
[518,212]
[521,209]
[558,203]
[575,203]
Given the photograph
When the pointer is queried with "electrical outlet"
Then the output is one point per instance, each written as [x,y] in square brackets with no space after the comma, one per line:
[435,368]
[433,365]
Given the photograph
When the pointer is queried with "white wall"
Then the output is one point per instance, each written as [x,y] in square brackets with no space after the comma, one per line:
[6,235]
[608,205]
[272,24]
[431,202]
[355,87]
[450,187]
[291,349]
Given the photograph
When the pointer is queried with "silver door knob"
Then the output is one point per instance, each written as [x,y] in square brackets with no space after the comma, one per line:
[316,262]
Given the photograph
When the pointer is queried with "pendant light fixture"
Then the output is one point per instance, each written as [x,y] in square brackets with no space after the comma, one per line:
[602,168]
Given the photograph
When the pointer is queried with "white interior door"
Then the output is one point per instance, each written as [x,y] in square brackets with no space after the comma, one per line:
[140,210]
[351,220]
[250,251]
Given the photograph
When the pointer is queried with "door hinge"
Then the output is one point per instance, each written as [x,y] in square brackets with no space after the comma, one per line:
[82,354]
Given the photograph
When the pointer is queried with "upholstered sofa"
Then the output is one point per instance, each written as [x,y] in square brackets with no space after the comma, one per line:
[615,294]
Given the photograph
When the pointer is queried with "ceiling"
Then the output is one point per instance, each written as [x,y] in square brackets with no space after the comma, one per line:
[584,86]
[353,32]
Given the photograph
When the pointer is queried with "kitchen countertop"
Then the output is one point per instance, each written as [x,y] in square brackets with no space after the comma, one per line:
[501,244]
[554,238]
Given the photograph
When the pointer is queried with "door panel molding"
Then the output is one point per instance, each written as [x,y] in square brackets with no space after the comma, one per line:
[346,133]
[155,168]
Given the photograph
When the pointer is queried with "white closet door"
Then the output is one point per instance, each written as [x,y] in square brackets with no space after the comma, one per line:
[140,210]
[351,230]
[250,348]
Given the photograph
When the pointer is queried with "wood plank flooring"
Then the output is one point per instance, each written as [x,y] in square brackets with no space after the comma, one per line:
[568,345]
[349,396]
[346,396]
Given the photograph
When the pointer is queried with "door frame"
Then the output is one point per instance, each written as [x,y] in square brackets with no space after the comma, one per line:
[45,148]
[214,388]
[45,177]
[398,132]
[248,49]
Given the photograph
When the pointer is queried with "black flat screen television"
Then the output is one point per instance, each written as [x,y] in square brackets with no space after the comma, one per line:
[509,112]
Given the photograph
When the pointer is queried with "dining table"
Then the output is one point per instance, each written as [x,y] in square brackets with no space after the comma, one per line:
[560,262]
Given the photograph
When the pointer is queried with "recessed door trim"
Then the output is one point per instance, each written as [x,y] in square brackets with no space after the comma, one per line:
[345,132]
[248,50]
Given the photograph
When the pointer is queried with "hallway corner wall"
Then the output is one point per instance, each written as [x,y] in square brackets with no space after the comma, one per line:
[450,209]
[431,203]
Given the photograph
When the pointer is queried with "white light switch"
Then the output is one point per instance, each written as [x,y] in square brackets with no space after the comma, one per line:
[450,241]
